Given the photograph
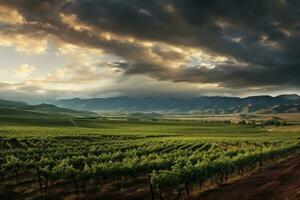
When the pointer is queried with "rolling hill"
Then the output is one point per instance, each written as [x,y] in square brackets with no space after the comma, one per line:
[14,109]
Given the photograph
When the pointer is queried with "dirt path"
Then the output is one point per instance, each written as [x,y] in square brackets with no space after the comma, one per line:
[73,122]
[279,181]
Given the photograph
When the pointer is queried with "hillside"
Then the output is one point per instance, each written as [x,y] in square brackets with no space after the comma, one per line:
[13,109]
[11,104]
[200,105]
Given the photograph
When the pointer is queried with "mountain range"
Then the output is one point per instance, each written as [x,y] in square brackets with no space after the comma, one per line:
[201,105]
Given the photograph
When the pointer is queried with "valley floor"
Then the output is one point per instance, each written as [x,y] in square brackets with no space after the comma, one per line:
[112,144]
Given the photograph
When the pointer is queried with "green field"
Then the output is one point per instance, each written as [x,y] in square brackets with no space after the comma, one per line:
[168,155]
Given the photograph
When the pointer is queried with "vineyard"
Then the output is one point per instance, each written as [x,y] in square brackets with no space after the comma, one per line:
[169,160]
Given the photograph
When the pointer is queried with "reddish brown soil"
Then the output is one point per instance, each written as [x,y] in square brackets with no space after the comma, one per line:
[278,181]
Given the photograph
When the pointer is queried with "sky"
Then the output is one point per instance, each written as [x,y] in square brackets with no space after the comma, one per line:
[53,49]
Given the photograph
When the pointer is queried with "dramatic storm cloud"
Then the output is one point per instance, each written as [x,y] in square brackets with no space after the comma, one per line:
[142,47]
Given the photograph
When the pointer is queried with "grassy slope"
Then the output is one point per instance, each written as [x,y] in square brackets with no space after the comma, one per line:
[13,111]
[19,117]
[19,114]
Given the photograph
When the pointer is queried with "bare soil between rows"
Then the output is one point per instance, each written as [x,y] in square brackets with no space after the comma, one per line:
[276,181]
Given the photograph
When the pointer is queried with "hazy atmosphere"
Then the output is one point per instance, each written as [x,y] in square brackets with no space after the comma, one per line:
[67,48]
[149,99]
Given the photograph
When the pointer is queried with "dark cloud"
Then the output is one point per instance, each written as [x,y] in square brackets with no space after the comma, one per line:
[262,36]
